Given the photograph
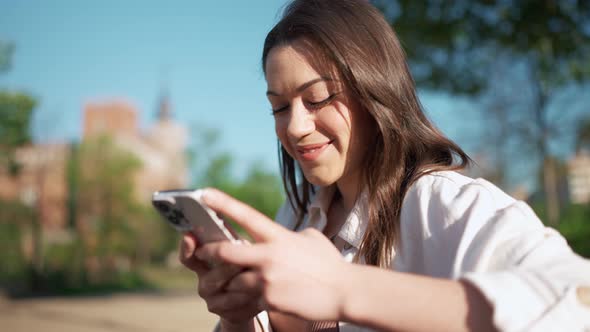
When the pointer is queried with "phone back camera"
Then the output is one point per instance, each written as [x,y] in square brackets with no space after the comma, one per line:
[178,214]
[173,219]
[175,216]
[162,207]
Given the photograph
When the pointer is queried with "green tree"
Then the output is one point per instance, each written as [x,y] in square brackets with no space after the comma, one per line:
[260,188]
[12,261]
[218,172]
[583,135]
[16,110]
[72,180]
[107,208]
[455,46]
[6,50]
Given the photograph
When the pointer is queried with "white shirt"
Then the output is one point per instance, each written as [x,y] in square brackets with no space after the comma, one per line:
[456,227]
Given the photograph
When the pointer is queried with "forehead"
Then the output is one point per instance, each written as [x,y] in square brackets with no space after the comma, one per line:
[296,61]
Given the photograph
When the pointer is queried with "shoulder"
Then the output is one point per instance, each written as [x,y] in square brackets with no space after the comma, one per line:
[447,217]
[452,193]
[450,206]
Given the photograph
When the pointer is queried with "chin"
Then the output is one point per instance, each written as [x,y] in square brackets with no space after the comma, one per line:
[320,179]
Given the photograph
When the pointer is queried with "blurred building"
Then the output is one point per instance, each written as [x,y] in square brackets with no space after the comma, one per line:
[117,118]
[161,148]
[579,177]
[42,181]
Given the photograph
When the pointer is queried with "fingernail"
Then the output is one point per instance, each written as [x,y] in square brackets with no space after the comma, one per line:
[204,194]
[184,247]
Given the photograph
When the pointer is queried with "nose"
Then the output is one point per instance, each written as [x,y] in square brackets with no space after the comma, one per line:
[301,121]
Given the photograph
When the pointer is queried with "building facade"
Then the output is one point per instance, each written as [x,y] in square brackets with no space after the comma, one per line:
[42,182]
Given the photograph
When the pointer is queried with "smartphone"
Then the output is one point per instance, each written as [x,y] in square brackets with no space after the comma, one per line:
[184,211]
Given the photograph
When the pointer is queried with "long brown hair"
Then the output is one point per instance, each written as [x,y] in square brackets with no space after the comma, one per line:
[355,38]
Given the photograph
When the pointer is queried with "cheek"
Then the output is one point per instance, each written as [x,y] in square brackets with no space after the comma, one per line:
[281,131]
[338,122]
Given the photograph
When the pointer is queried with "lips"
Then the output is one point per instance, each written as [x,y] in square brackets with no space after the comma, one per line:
[310,152]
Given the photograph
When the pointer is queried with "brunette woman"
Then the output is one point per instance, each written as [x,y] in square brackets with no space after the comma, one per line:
[371,181]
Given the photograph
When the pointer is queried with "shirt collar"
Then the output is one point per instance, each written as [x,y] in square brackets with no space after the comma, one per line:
[353,229]
[322,198]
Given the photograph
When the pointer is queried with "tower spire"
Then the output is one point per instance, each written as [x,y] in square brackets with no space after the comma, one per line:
[164,112]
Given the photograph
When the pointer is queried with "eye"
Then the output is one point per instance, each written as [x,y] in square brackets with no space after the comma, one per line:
[279,110]
[320,104]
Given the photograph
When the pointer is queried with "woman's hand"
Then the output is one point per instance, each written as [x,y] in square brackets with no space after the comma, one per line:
[294,273]
[234,307]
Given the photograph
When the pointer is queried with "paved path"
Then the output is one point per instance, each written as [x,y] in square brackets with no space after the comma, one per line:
[128,312]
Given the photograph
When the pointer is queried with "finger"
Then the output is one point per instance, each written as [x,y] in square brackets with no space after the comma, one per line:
[187,257]
[312,232]
[231,301]
[234,254]
[246,282]
[259,226]
[262,304]
[239,316]
[216,279]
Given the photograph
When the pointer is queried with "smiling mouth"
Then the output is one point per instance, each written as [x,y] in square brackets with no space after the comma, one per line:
[311,152]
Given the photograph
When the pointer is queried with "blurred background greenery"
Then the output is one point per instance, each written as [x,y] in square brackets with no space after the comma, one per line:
[75,218]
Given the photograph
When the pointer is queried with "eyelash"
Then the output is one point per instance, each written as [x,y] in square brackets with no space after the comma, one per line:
[313,106]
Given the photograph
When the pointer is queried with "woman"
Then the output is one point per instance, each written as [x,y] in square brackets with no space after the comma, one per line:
[435,250]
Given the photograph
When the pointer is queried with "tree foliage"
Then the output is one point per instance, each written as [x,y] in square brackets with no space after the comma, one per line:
[16,110]
[106,204]
[583,135]
[12,261]
[542,46]
[259,188]
[453,45]
[6,50]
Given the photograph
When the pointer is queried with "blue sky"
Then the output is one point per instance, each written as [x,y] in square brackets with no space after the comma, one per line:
[206,53]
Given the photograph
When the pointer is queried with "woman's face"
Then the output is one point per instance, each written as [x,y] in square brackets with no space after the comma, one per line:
[317,122]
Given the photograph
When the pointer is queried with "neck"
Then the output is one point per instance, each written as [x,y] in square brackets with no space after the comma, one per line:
[349,190]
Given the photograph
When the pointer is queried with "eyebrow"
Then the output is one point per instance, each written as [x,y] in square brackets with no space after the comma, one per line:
[303,86]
